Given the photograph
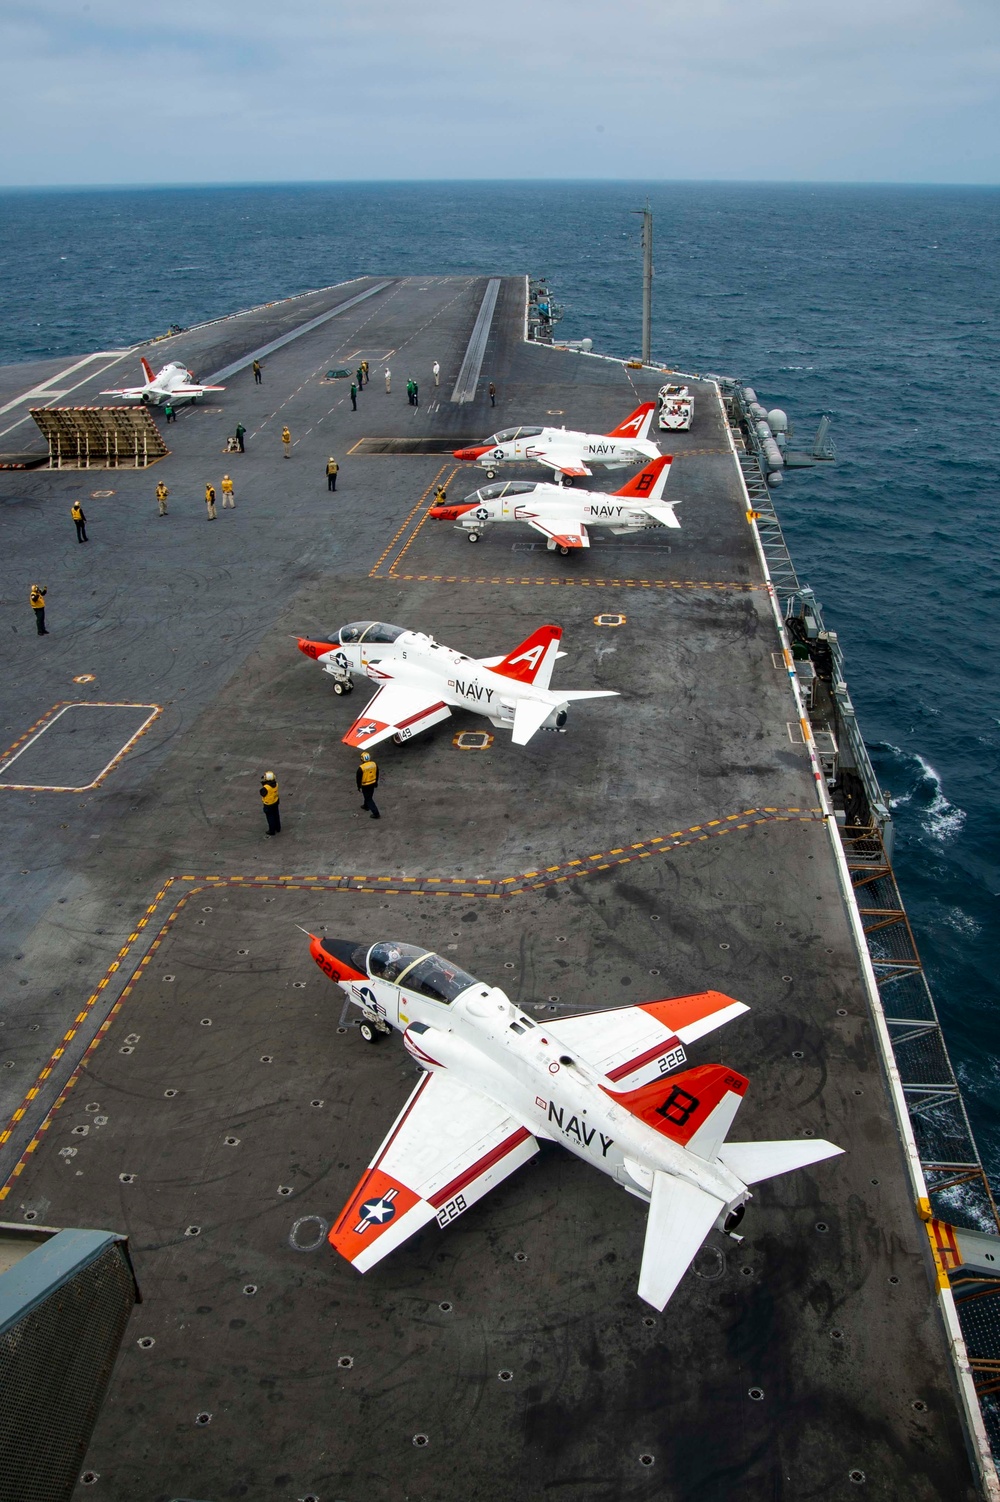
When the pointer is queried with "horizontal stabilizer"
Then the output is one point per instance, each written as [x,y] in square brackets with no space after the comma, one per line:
[665,515]
[529,715]
[753,1161]
[680,1217]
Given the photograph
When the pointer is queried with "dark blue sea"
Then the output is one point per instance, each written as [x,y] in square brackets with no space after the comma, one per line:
[878,304]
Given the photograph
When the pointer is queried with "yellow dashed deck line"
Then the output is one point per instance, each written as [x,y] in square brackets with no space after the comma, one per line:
[733,585]
[373,571]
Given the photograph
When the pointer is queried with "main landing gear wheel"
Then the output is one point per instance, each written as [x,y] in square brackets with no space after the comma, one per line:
[339,688]
[491,474]
[473,536]
[564,551]
[371,1033]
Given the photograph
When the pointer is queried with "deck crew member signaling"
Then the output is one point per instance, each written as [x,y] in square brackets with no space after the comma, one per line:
[37,598]
[76,512]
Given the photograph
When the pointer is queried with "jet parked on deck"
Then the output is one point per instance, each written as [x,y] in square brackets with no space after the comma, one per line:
[611,1086]
[568,453]
[422,681]
[173,383]
[563,516]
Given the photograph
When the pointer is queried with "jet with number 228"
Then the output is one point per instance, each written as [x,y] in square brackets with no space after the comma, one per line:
[611,1086]
[563,516]
[421,681]
[570,454]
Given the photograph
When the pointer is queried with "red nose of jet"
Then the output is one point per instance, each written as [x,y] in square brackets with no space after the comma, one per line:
[450,513]
[315,649]
[340,959]
[472,453]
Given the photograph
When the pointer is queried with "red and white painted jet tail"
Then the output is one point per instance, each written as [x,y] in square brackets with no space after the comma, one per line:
[637,424]
[147,370]
[647,488]
[697,1112]
[649,483]
[532,662]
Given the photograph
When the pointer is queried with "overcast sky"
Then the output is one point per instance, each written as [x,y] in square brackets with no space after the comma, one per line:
[112,91]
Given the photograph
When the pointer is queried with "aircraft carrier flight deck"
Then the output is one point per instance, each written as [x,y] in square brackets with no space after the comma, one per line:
[176,1067]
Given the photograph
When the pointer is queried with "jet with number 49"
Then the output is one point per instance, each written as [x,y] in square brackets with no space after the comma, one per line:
[614,1087]
[421,681]
[563,516]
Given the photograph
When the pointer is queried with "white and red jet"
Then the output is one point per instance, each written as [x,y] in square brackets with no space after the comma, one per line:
[611,1086]
[172,383]
[421,681]
[568,453]
[563,516]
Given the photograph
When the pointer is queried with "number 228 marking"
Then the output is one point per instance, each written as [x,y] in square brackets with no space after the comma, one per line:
[452,1210]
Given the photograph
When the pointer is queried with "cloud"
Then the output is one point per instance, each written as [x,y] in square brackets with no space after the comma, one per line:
[906,90]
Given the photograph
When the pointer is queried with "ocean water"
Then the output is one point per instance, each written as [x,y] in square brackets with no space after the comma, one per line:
[877,304]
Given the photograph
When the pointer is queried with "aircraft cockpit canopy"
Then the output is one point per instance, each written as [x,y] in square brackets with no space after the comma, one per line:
[501,488]
[387,960]
[368,631]
[507,435]
[428,974]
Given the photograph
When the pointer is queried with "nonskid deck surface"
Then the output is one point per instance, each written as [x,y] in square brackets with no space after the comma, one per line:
[667,842]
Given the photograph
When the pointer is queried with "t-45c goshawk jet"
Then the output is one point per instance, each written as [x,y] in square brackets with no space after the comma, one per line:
[173,383]
[611,1086]
[569,454]
[421,681]
[563,516]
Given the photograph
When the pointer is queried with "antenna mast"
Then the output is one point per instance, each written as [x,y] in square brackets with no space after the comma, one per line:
[647,280]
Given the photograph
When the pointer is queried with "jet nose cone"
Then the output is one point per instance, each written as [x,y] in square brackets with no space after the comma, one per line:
[471,453]
[340,959]
[449,513]
[314,649]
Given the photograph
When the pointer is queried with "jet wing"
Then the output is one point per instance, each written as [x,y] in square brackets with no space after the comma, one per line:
[187,390]
[448,1147]
[571,467]
[127,391]
[565,534]
[395,710]
[680,1217]
[632,1046]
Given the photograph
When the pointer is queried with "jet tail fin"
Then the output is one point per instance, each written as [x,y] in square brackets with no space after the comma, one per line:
[533,661]
[680,1217]
[754,1161]
[648,484]
[636,425]
[695,1108]
[147,370]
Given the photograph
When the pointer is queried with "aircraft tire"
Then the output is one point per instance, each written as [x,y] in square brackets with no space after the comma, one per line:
[473,536]
[370,1032]
[338,688]
[564,552]
[491,474]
